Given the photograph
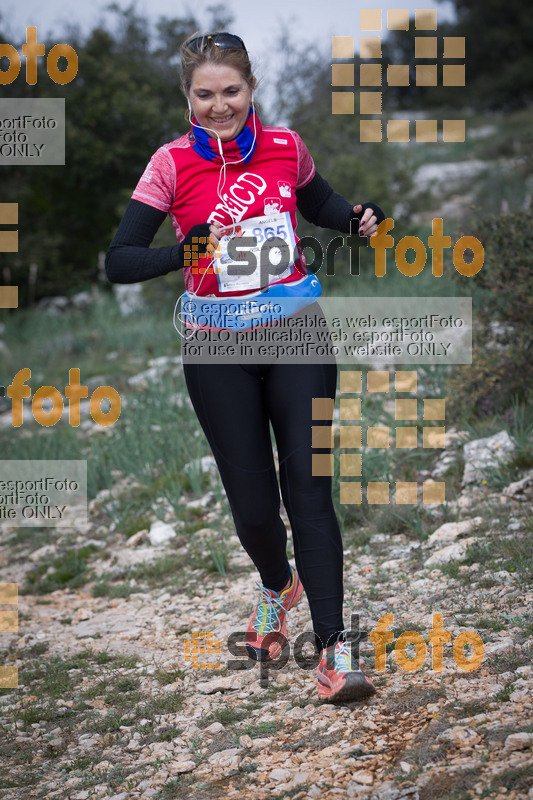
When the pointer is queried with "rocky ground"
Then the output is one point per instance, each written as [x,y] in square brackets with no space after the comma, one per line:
[108,706]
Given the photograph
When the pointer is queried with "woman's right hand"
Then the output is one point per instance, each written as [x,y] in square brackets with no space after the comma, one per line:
[197,242]
[214,229]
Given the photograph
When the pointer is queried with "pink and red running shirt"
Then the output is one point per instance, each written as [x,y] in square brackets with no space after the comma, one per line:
[181,182]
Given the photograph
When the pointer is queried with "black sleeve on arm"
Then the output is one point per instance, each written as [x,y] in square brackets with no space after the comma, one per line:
[129,258]
[319,204]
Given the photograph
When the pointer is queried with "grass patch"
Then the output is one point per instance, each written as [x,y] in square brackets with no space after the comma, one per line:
[490,623]
[225,716]
[70,568]
[509,662]
[261,729]
[413,698]
[517,779]
[450,786]
[104,588]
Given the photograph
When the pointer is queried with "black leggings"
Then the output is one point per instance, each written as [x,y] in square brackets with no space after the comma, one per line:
[234,403]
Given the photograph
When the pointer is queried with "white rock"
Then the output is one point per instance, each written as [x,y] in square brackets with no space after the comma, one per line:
[81,614]
[204,464]
[483,454]
[522,489]
[226,758]
[165,361]
[433,176]
[451,531]
[140,536]
[160,533]
[444,462]
[454,552]
[405,767]
[129,297]
[363,777]
[260,743]
[133,744]
[300,777]
[393,563]
[222,684]
[215,727]
[500,648]
[201,502]
[46,551]
[519,695]
[519,741]
[459,736]
[279,774]
[176,767]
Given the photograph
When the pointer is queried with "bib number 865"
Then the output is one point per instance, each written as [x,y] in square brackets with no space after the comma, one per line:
[261,234]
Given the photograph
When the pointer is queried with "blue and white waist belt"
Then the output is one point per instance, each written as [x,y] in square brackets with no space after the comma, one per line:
[252,310]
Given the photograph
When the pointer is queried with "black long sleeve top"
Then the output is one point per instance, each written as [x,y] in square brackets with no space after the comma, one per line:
[130,259]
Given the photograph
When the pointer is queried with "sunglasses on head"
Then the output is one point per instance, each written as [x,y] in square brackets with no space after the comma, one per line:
[225,41]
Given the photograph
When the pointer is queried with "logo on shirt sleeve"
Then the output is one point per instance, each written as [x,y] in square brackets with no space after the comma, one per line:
[146,177]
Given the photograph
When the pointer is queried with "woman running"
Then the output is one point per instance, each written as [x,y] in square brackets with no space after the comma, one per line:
[232,176]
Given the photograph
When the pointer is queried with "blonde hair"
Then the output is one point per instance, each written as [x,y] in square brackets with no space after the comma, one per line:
[191,60]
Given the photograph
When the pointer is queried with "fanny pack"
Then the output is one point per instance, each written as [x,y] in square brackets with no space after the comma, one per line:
[251,310]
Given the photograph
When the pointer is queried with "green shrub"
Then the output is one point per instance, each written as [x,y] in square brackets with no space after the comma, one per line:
[500,374]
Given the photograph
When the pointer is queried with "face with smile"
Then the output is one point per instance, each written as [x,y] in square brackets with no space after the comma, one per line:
[220,100]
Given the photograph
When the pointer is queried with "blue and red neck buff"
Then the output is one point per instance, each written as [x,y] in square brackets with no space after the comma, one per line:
[242,147]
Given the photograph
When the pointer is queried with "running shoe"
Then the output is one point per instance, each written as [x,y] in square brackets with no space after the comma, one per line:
[266,634]
[339,678]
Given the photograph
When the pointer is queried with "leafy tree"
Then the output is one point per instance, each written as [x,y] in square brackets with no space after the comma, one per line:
[499,55]
[500,373]
[399,49]
[124,103]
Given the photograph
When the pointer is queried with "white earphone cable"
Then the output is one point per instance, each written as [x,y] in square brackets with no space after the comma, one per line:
[220,187]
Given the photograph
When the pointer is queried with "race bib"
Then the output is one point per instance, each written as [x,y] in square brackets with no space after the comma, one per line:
[270,259]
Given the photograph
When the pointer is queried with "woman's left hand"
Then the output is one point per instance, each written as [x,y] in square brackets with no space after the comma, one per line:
[370,218]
